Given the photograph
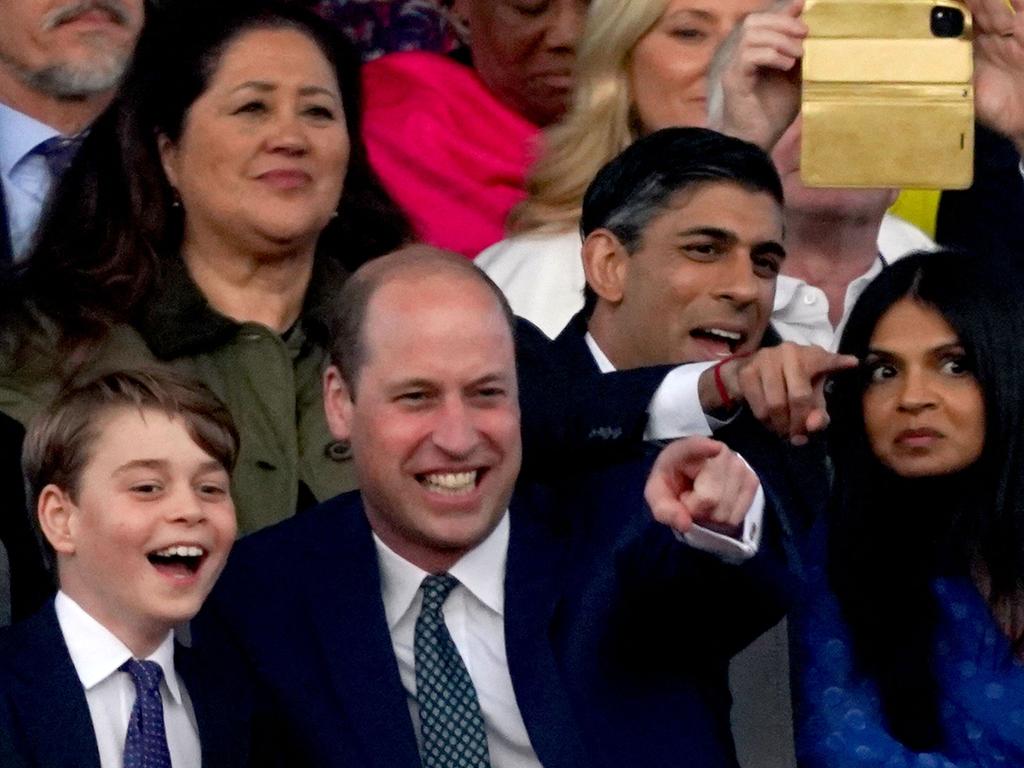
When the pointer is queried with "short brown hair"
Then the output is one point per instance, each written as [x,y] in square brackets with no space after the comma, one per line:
[59,439]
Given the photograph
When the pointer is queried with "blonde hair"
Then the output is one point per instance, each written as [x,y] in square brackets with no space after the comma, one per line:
[600,122]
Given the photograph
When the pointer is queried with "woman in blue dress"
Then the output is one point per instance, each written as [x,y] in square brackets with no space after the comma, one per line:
[908,644]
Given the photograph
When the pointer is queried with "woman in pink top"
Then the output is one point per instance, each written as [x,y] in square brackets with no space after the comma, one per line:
[452,142]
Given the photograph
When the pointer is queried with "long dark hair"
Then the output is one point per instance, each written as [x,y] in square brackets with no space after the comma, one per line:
[111,223]
[889,537]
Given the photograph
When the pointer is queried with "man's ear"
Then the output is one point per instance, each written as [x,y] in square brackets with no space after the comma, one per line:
[56,512]
[338,403]
[605,263]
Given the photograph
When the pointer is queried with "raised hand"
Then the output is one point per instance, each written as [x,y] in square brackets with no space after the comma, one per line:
[784,387]
[999,66]
[755,76]
[698,481]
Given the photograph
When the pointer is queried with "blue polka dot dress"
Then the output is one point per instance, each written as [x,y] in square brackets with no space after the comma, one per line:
[838,713]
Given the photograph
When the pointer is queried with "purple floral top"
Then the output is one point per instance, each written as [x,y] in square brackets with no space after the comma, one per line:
[385,26]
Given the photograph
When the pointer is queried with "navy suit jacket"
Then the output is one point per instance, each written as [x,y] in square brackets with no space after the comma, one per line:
[577,419]
[44,718]
[798,476]
[618,636]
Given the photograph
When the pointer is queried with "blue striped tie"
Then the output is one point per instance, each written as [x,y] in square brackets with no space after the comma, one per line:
[145,746]
[450,721]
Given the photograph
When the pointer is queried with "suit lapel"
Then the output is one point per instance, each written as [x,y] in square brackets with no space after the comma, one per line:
[57,726]
[6,246]
[349,616]
[536,558]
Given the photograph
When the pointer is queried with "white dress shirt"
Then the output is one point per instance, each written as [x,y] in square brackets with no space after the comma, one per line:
[474,613]
[800,312]
[726,547]
[97,655]
[26,177]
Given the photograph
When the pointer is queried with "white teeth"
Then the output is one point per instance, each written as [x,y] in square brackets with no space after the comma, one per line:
[180,550]
[730,335]
[450,482]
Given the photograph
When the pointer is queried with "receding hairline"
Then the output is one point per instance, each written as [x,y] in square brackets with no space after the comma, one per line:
[413,260]
[408,265]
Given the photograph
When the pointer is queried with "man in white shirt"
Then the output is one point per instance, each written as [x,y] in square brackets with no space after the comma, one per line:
[60,63]
[444,615]
[130,478]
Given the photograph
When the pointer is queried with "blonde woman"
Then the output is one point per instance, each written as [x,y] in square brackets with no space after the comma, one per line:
[641,66]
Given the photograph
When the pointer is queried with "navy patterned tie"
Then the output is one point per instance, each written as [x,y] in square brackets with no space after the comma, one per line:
[145,746]
[450,720]
[59,151]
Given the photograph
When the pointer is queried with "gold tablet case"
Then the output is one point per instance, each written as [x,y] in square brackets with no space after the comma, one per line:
[886,103]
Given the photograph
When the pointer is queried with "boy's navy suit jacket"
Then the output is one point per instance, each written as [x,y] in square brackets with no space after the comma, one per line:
[44,718]
[618,636]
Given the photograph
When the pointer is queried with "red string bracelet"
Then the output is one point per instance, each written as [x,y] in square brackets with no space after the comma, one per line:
[723,393]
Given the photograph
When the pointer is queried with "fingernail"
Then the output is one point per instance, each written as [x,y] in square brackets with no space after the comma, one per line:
[798,440]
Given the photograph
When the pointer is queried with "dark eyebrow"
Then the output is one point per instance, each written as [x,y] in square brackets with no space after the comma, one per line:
[264,87]
[945,347]
[771,247]
[716,232]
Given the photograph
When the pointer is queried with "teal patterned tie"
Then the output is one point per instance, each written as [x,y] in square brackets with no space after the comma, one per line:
[450,720]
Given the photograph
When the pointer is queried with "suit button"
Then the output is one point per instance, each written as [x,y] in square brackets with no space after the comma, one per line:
[339,450]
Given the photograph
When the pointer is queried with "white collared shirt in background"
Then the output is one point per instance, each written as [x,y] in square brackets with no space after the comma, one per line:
[800,313]
[97,656]
[475,616]
[26,177]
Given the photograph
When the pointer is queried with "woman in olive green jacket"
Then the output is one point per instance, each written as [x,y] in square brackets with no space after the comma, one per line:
[207,223]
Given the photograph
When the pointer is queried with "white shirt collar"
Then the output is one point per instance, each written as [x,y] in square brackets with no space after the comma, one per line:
[786,286]
[603,363]
[481,571]
[20,135]
[97,654]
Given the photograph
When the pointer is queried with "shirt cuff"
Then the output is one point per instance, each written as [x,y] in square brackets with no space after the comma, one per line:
[725,547]
[675,410]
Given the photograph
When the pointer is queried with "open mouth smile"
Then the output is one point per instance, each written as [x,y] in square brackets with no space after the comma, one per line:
[178,561]
[451,483]
[730,340]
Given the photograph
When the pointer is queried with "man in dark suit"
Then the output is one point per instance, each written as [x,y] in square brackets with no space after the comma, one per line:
[683,241]
[60,64]
[682,246]
[444,615]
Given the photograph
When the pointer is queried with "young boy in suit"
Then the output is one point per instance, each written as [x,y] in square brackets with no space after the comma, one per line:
[130,477]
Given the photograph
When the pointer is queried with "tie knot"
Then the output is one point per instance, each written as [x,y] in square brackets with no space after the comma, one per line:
[146,674]
[59,151]
[436,590]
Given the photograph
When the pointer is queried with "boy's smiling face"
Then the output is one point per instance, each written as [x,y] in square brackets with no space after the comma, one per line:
[141,542]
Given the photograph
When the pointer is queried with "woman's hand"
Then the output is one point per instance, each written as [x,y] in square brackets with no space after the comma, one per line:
[755,76]
[999,66]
